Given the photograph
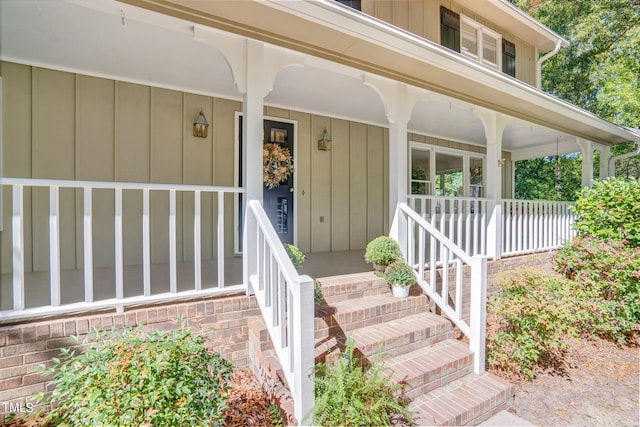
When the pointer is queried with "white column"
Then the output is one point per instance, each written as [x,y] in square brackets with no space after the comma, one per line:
[252,122]
[494,124]
[398,154]
[586,148]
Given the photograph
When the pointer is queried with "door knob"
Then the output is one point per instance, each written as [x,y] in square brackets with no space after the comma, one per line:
[291,190]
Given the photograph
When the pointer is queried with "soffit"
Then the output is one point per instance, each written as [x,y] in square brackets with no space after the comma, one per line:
[331,31]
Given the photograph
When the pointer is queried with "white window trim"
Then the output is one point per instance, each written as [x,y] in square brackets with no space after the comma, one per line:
[480,31]
[466,156]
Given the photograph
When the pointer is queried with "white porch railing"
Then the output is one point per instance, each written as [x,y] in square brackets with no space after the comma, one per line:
[461,219]
[286,302]
[531,225]
[452,279]
[85,242]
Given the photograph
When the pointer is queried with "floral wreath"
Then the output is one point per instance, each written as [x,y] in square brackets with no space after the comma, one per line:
[277,165]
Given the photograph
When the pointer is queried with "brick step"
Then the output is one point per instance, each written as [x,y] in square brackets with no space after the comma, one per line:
[341,288]
[469,400]
[428,368]
[391,338]
[344,316]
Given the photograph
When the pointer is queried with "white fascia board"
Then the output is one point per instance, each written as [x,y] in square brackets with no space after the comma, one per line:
[354,23]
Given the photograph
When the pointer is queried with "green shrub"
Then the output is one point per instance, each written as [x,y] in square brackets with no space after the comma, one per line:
[535,313]
[295,254]
[400,272]
[611,272]
[610,210]
[382,250]
[350,395]
[133,378]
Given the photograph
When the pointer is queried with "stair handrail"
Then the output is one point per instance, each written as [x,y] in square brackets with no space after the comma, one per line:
[286,302]
[403,231]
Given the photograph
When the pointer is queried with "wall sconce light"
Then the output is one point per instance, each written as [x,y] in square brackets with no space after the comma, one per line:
[200,127]
[324,143]
[501,162]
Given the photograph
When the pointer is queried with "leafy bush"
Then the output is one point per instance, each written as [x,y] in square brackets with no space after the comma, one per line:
[295,255]
[401,273]
[382,250]
[611,272]
[610,210]
[133,378]
[535,313]
[350,395]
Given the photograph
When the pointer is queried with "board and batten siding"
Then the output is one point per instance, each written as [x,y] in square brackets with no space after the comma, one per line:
[61,125]
[341,194]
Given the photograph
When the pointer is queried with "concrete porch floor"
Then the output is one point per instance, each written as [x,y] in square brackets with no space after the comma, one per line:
[37,293]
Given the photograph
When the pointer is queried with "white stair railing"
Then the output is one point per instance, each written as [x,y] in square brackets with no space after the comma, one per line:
[453,280]
[535,225]
[86,245]
[286,302]
[461,219]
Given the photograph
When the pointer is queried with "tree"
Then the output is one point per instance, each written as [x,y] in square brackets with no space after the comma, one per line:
[600,71]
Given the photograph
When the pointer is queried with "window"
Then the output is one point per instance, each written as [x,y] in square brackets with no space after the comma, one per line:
[508,58]
[420,172]
[449,29]
[480,43]
[474,40]
[355,4]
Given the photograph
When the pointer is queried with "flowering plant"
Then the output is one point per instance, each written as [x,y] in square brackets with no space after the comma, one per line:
[401,273]
[278,165]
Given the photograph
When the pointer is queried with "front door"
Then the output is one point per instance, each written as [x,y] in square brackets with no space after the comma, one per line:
[277,192]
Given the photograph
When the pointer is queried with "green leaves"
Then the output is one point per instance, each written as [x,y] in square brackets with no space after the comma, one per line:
[610,210]
[382,250]
[348,394]
[128,377]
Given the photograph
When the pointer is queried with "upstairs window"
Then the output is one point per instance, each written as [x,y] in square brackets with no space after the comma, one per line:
[508,58]
[449,29]
[480,43]
[474,40]
[354,4]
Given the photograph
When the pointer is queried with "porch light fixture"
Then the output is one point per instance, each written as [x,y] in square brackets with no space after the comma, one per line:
[324,143]
[200,127]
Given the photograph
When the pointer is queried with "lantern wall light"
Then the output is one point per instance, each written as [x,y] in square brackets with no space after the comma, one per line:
[324,143]
[200,127]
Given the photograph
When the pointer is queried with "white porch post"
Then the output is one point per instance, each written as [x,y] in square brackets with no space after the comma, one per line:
[494,125]
[252,127]
[586,148]
[398,99]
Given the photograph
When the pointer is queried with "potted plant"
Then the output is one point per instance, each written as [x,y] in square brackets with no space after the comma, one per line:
[399,275]
[381,252]
[295,254]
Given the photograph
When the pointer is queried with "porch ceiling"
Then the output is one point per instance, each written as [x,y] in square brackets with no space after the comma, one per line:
[116,40]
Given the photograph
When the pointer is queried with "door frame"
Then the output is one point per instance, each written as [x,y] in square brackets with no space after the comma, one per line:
[237,238]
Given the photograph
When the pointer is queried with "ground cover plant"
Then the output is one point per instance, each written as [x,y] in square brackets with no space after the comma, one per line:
[130,377]
[348,394]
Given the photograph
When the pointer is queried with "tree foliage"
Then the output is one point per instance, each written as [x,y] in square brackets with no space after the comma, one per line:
[600,71]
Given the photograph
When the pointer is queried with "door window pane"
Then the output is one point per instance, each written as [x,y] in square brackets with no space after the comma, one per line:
[476,178]
[420,172]
[449,179]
